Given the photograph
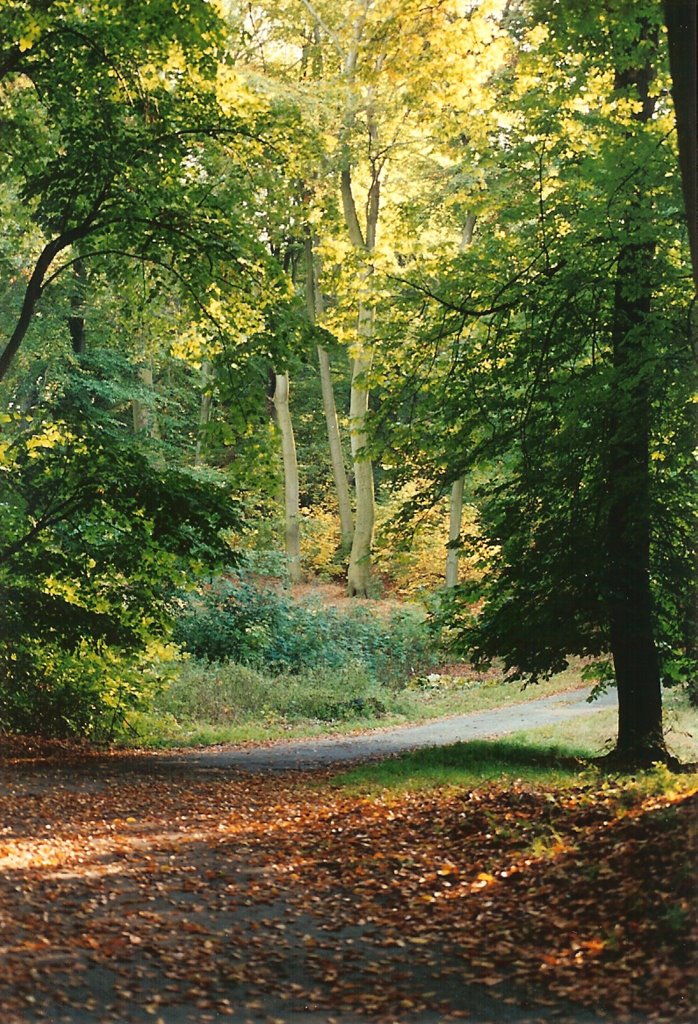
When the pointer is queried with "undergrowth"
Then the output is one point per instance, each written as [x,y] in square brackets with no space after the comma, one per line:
[236,618]
[224,702]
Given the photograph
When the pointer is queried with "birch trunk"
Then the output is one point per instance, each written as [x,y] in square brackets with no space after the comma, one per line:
[291,483]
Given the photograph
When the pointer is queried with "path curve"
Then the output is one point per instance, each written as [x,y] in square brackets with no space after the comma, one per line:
[295,755]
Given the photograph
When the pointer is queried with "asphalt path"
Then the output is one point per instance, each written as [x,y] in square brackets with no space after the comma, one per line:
[302,755]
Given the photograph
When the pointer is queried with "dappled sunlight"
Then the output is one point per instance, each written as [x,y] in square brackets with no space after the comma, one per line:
[345,384]
[209,887]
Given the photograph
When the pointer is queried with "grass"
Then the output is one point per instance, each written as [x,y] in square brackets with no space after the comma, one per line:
[265,665]
[554,755]
[596,734]
[207,704]
[455,694]
[468,765]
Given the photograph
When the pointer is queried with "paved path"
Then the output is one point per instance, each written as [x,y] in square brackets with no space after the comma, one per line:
[313,753]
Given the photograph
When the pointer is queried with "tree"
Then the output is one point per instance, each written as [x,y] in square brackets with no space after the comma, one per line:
[568,382]
[118,169]
[97,534]
[458,486]
[124,157]
[315,306]
[291,483]
[378,83]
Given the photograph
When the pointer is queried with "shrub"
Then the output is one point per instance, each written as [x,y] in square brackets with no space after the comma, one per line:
[321,542]
[235,619]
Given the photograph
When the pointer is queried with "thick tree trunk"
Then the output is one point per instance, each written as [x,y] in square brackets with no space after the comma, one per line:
[635,657]
[681,18]
[339,473]
[291,482]
[455,517]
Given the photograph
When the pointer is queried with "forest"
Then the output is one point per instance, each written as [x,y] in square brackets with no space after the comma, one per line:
[389,298]
[347,511]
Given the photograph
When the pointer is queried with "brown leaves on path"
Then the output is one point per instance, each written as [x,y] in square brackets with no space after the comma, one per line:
[126,895]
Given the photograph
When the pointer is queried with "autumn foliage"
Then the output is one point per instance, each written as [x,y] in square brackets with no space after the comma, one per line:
[131,884]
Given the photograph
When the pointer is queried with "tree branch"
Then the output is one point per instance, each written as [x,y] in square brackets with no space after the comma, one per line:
[350,215]
[36,281]
[332,36]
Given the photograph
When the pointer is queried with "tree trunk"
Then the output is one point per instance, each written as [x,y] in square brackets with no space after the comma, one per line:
[144,417]
[204,409]
[468,230]
[291,483]
[339,473]
[76,320]
[635,657]
[456,503]
[32,295]
[681,18]
[360,558]
[35,285]
[346,521]
[456,514]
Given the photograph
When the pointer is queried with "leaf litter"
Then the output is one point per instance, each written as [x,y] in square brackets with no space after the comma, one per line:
[124,889]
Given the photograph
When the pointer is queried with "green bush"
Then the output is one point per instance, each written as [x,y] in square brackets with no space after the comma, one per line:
[235,619]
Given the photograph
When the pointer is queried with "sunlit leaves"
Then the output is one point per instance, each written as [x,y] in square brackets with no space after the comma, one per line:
[507,373]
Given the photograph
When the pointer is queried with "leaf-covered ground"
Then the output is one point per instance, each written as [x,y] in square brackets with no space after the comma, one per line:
[176,895]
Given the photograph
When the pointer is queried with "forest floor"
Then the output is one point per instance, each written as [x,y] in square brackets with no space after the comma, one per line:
[176,890]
